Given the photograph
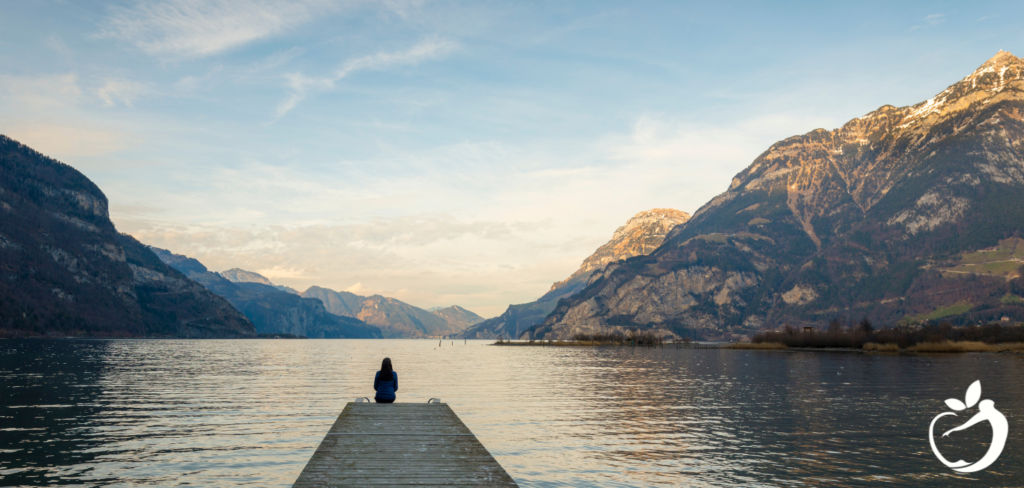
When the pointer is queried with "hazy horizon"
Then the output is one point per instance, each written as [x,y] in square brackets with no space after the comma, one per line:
[447,153]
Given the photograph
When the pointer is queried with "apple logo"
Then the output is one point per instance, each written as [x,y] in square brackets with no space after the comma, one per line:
[986,412]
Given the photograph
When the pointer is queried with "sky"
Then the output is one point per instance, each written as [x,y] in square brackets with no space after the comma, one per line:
[443,153]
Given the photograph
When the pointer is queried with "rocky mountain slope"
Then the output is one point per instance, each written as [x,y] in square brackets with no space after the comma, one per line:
[458,317]
[856,221]
[270,309]
[66,271]
[640,235]
[394,317]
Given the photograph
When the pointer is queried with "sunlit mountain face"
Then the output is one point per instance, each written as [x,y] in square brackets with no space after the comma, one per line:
[870,219]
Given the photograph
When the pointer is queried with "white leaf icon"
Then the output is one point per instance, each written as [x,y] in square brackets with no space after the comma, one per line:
[955,404]
[973,393]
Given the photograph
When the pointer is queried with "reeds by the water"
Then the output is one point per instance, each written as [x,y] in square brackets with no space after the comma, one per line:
[813,339]
[950,346]
[930,338]
[943,346]
[631,337]
[965,346]
[887,347]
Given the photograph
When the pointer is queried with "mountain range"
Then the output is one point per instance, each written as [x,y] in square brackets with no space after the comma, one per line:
[271,310]
[393,318]
[66,271]
[872,219]
[640,235]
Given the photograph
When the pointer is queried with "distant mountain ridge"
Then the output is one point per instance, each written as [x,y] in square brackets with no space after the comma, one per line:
[270,309]
[641,234]
[66,271]
[394,317]
[236,275]
[457,316]
[857,221]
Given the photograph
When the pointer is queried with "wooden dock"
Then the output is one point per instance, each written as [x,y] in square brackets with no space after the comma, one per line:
[421,444]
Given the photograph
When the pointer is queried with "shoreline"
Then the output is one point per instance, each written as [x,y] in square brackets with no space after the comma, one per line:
[947,347]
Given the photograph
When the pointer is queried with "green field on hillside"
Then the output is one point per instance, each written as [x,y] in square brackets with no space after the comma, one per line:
[955,309]
[1003,260]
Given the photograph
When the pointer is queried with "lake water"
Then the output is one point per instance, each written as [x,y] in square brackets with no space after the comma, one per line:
[251,412]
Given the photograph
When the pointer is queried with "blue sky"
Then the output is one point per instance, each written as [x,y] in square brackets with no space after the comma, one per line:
[444,153]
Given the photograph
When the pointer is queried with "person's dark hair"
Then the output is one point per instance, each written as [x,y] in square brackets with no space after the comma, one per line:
[385,370]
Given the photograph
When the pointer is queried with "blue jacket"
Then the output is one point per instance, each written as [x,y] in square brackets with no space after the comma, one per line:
[385,389]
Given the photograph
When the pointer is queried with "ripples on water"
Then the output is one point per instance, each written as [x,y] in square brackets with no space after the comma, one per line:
[250,413]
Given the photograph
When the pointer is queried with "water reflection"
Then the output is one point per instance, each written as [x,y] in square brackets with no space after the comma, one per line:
[250,413]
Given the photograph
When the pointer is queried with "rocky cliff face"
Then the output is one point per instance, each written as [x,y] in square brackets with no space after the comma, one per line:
[270,309]
[394,317]
[640,235]
[65,270]
[846,222]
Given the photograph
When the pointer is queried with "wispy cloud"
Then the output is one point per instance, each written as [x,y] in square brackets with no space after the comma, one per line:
[275,60]
[195,28]
[357,288]
[404,8]
[123,91]
[58,45]
[235,74]
[931,20]
[300,85]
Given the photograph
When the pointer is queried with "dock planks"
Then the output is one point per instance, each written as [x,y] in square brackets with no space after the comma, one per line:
[410,444]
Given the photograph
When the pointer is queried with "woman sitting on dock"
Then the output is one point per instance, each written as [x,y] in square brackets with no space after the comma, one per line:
[385,383]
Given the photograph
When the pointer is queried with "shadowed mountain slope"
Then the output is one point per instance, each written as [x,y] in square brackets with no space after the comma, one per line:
[65,270]
[856,221]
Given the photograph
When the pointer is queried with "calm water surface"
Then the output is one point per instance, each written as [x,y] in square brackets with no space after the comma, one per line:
[250,413]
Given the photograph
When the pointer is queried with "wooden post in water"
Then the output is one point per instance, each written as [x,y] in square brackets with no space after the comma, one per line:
[401,444]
